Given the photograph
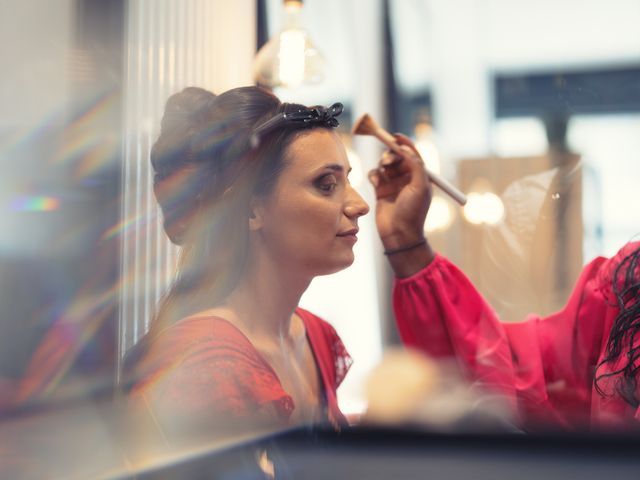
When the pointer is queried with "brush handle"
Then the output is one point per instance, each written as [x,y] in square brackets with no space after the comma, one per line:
[446,186]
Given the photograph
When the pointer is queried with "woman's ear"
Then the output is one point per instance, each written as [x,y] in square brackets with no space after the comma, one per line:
[256,215]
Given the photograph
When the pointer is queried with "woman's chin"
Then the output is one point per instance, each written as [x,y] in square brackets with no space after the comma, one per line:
[339,265]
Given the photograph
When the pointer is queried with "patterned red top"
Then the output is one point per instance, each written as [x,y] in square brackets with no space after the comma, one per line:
[205,371]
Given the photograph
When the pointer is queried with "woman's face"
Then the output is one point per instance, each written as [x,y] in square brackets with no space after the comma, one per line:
[309,221]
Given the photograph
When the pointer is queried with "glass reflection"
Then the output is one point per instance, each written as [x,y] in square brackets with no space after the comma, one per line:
[530,109]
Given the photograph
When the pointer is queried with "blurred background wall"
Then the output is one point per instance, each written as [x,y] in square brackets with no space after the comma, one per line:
[60,141]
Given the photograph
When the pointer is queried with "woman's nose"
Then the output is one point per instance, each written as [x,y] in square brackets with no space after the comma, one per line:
[355,206]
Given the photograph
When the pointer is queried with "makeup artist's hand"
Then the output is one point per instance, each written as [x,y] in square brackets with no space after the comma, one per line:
[403,193]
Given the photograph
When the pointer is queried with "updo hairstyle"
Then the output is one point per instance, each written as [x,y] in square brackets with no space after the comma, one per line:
[206,172]
[203,150]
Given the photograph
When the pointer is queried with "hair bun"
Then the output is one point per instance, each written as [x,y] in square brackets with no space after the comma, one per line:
[187,108]
[175,184]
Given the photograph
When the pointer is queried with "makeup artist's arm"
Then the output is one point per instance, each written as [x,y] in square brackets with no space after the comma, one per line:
[435,306]
[403,194]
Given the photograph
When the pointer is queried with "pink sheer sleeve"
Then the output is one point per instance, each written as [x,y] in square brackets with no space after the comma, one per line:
[542,366]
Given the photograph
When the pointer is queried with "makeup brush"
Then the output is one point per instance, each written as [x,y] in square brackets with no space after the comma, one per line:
[368,126]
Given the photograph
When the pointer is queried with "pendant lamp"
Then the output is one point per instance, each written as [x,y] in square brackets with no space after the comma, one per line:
[289,59]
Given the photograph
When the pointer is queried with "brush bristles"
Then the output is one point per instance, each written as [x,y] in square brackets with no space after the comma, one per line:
[365,126]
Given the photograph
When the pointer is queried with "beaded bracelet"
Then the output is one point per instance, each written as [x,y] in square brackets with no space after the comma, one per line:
[404,248]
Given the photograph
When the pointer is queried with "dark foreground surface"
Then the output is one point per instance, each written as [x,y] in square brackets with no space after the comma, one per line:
[83,440]
[371,453]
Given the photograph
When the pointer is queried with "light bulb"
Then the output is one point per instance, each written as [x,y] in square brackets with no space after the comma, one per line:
[429,153]
[493,208]
[440,215]
[290,58]
[483,207]
[426,146]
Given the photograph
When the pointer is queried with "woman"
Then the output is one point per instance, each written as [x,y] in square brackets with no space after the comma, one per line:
[256,193]
[574,369]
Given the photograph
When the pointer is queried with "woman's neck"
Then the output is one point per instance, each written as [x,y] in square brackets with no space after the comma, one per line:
[265,299]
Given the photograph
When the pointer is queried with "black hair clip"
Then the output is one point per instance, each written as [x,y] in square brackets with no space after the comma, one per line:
[302,118]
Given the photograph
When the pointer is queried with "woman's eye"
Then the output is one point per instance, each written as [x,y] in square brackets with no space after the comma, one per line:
[328,187]
[327,184]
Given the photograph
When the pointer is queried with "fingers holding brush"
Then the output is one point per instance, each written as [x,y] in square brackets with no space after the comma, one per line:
[420,179]
[398,169]
[366,125]
[403,192]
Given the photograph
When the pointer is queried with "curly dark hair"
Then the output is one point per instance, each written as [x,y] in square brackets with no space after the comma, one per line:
[626,288]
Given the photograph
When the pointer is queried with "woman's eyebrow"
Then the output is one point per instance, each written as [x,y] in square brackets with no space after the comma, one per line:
[334,167]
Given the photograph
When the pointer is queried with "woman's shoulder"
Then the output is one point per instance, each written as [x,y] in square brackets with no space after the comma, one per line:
[316,325]
[202,339]
[331,353]
[311,318]
[200,328]
[207,362]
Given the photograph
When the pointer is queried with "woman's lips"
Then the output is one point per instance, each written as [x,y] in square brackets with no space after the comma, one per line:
[352,232]
[349,234]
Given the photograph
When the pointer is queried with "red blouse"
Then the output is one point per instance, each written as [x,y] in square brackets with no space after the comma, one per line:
[204,369]
[543,366]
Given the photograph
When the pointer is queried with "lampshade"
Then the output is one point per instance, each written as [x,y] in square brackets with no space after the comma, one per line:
[290,58]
